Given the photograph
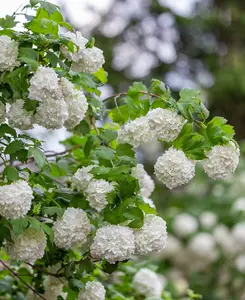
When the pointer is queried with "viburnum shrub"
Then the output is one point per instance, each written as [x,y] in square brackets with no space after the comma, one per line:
[69,219]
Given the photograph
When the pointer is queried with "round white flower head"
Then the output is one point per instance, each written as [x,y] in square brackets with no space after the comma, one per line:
[152,236]
[184,225]
[82,177]
[76,101]
[208,219]
[148,283]
[8,54]
[72,229]
[146,183]
[174,169]
[239,205]
[166,124]
[29,246]
[240,263]
[226,241]
[15,199]
[94,290]
[113,243]
[51,113]
[203,245]
[44,85]
[88,60]
[221,161]
[238,233]
[2,112]
[96,193]
[135,132]
[19,117]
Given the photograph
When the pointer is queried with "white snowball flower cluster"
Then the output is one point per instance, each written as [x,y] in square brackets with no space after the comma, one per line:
[76,101]
[166,124]
[81,178]
[19,117]
[221,161]
[203,246]
[225,240]
[96,193]
[94,290]
[29,246]
[88,60]
[8,53]
[113,243]
[174,169]
[148,283]
[72,229]
[184,225]
[146,183]
[52,111]
[15,199]
[208,219]
[152,236]
[238,233]
[2,112]
[135,132]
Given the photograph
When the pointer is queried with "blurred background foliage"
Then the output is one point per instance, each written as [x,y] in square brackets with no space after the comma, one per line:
[193,44]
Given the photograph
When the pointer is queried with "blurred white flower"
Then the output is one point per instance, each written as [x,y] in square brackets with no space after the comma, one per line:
[76,102]
[135,132]
[221,161]
[184,225]
[94,290]
[27,247]
[238,233]
[147,283]
[152,236]
[240,263]
[72,229]
[96,193]
[82,177]
[15,199]
[18,117]
[146,183]
[9,52]
[208,219]
[165,124]
[2,113]
[239,205]
[225,240]
[113,243]
[174,169]
[173,248]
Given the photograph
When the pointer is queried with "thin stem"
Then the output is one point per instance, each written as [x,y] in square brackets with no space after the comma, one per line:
[46,272]
[125,93]
[17,276]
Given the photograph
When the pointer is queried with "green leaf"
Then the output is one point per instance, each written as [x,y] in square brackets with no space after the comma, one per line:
[109,268]
[32,63]
[125,150]
[34,223]
[136,215]
[4,234]
[157,87]
[19,225]
[105,153]
[78,201]
[108,135]
[111,174]
[67,25]
[101,75]
[49,7]
[89,145]
[136,88]
[48,231]
[82,128]
[31,105]
[28,53]
[11,173]
[53,210]
[39,156]
[8,22]
[6,129]
[53,59]
[145,207]
[13,147]
[86,81]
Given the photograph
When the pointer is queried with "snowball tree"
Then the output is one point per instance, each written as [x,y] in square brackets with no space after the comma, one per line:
[69,219]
